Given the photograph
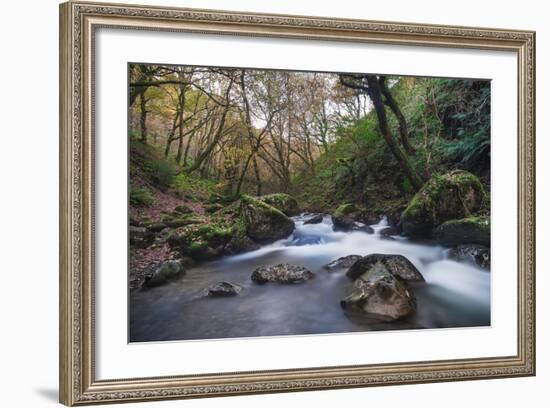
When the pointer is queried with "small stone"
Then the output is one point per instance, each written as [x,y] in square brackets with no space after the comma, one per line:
[282,273]
[222,289]
[316,219]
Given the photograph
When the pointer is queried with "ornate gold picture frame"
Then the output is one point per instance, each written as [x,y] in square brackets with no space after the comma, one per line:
[78,25]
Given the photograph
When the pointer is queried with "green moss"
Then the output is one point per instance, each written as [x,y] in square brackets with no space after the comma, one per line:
[239,237]
[166,218]
[481,222]
[196,188]
[140,196]
[264,223]
[282,201]
[212,232]
[254,202]
[202,240]
[197,246]
[345,209]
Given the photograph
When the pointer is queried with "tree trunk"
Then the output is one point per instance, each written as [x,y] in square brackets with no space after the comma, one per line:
[218,135]
[257,173]
[180,129]
[390,102]
[374,92]
[243,173]
[170,138]
[143,115]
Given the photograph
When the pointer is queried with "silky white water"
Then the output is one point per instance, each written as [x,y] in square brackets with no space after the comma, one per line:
[454,294]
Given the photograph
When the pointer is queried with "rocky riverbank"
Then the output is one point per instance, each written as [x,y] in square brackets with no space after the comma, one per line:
[450,210]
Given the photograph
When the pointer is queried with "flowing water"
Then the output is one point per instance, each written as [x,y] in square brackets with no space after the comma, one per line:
[454,294]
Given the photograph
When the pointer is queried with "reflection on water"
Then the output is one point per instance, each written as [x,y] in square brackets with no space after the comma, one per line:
[454,295]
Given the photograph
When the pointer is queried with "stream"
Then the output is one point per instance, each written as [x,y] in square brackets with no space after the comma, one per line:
[454,294]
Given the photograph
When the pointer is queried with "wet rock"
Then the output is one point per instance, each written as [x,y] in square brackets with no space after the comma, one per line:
[283,202]
[282,273]
[343,262]
[165,273]
[397,265]
[240,242]
[263,222]
[471,230]
[140,237]
[358,226]
[316,219]
[344,218]
[478,255]
[456,194]
[386,233]
[348,217]
[222,289]
[371,219]
[378,294]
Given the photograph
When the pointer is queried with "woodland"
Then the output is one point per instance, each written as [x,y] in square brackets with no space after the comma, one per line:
[225,161]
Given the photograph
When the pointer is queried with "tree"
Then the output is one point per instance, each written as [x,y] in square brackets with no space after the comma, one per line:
[390,102]
[373,86]
[255,137]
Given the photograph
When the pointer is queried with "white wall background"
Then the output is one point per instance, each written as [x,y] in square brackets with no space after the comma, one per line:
[29,191]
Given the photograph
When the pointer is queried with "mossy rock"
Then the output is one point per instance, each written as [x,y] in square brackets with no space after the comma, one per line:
[263,222]
[471,230]
[201,241]
[283,202]
[240,241]
[176,219]
[140,237]
[454,195]
[165,273]
[345,209]
[349,217]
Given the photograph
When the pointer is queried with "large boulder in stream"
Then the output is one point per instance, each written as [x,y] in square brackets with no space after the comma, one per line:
[456,194]
[282,273]
[283,202]
[378,294]
[471,230]
[167,272]
[478,255]
[347,218]
[397,265]
[263,222]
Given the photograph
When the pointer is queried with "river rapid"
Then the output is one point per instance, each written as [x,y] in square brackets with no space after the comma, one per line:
[454,294]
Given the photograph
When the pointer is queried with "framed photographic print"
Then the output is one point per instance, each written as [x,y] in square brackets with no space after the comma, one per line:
[262,203]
